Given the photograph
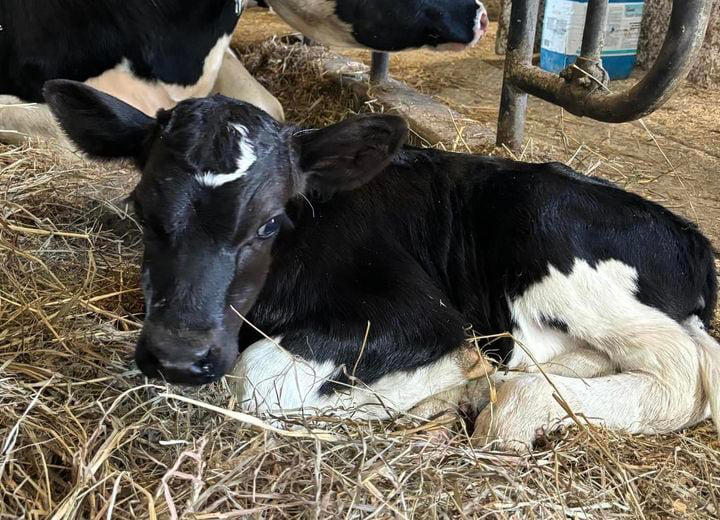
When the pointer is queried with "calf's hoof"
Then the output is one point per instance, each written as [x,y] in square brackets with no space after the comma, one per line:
[523,411]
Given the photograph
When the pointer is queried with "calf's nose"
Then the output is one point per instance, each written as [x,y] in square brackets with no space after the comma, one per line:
[185,357]
[193,363]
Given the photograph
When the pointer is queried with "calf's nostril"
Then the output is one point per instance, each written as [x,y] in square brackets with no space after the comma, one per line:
[205,364]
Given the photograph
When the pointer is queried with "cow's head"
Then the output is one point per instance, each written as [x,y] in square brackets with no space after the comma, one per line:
[216,175]
[387,25]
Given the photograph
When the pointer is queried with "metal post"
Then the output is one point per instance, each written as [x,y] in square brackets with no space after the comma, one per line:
[379,67]
[590,59]
[521,43]
[594,31]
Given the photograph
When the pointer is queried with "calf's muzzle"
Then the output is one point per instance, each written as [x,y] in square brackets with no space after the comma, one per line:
[182,356]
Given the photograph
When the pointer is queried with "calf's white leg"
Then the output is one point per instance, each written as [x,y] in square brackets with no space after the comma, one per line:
[580,363]
[272,381]
[660,387]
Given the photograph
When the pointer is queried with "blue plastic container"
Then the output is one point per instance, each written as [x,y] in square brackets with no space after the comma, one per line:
[563,28]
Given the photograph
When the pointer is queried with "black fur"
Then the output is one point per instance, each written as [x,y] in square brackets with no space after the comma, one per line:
[376,23]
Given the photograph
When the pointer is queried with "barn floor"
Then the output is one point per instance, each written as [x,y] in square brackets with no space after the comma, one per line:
[84,435]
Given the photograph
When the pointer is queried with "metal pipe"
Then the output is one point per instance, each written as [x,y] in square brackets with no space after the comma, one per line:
[521,43]
[586,95]
[590,59]
[594,31]
[683,41]
[379,67]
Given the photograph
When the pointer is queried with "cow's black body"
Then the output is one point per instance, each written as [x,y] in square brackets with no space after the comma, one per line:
[431,250]
[164,40]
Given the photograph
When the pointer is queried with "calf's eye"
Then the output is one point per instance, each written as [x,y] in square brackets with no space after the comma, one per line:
[270,228]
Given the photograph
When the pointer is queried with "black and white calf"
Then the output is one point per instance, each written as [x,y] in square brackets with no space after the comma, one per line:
[154,54]
[312,235]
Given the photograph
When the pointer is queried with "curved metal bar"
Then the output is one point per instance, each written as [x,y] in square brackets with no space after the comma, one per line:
[581,95]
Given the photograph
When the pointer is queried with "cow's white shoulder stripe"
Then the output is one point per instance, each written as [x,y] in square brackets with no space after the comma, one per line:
[244,162]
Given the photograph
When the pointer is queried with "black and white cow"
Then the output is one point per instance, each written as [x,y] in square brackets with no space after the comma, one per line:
[387,25]
[154,54]
[315,235]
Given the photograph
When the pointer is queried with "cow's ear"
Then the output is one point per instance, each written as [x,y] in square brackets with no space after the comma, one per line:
[348,154]
[99,124]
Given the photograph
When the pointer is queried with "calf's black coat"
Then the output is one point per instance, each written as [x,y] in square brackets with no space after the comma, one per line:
[430,251]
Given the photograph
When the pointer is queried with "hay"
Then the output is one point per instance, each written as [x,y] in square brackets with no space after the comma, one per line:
[83,435]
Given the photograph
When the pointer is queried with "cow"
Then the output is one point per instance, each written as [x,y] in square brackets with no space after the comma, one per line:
[339,269]
[387,26]
[153,54]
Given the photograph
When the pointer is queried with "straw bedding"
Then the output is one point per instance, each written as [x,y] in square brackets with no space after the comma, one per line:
[84,435]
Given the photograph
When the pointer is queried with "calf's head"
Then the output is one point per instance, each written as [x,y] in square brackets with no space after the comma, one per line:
[216,175]
[387,25]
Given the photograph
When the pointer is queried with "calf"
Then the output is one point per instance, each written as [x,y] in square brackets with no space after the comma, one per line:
[363,267]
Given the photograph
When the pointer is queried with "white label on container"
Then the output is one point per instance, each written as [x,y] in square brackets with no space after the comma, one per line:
[565,21]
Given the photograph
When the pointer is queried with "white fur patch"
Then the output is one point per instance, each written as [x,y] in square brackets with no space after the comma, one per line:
[535,341]
[659,387]
[316,19]
[274,382]
[478,25]
[243,162]
[151,96]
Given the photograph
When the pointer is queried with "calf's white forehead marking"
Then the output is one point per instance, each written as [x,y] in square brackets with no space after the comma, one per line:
[243,163]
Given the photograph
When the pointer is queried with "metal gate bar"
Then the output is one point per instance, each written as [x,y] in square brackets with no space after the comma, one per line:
[581,89]
[379,67]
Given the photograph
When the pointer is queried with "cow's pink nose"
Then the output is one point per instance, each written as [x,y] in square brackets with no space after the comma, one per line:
[481,24]
[484,22]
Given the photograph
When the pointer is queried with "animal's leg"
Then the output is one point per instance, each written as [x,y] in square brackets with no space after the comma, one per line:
[20,121]
[235,81]
[659,389]
[583,363]
[476,372]
[274,382]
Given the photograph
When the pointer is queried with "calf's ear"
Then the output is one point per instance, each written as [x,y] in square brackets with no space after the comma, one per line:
[99,124]
[348,154]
